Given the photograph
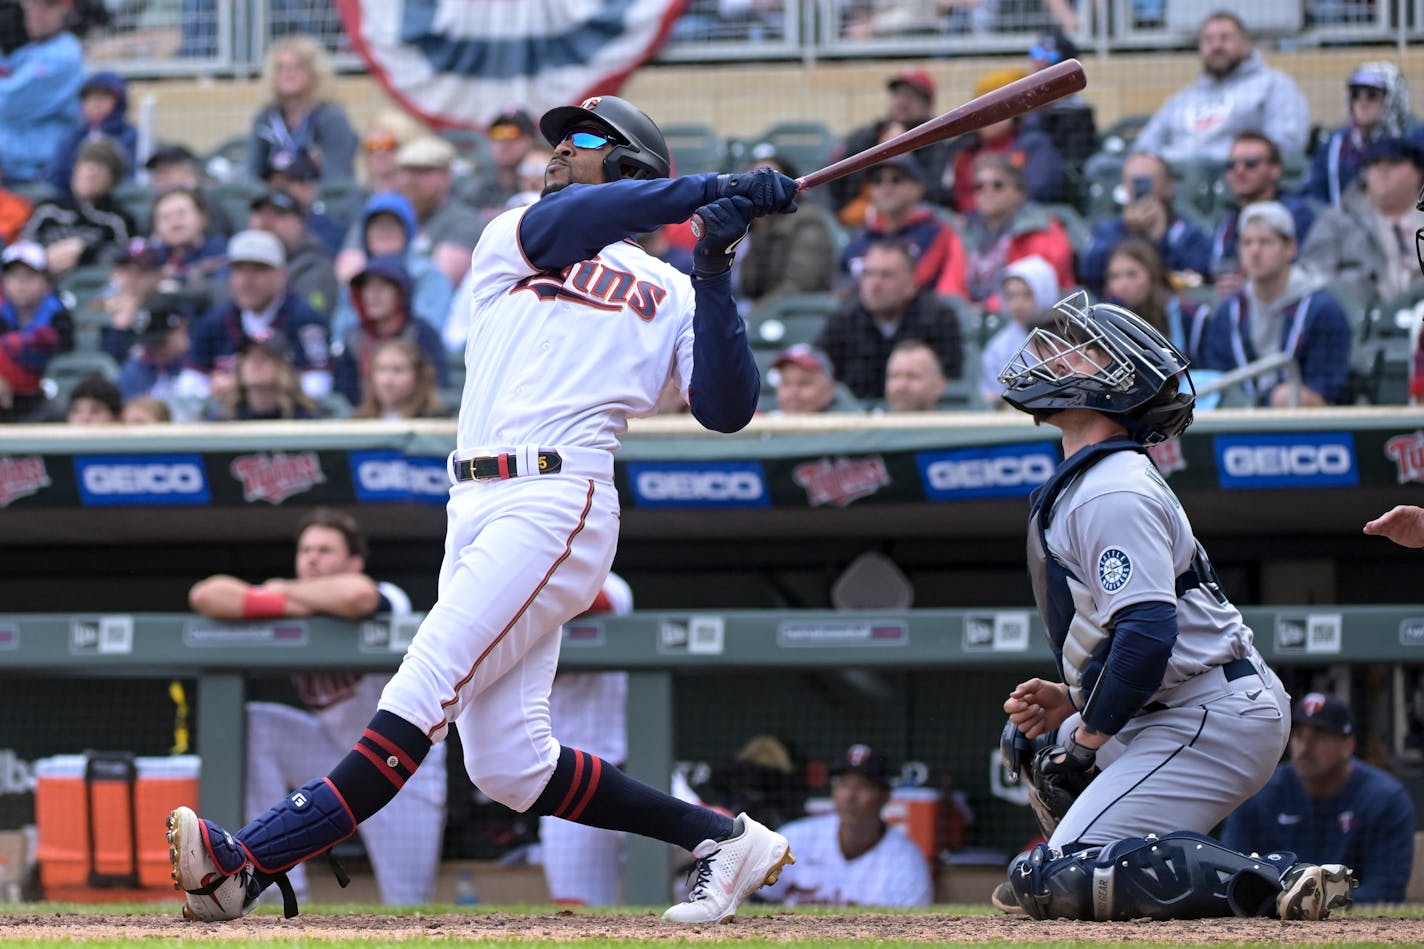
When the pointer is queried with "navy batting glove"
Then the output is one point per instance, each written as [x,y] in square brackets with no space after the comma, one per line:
[724,224]
[770,191]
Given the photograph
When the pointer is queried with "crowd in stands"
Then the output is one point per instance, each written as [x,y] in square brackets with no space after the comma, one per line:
[330,279]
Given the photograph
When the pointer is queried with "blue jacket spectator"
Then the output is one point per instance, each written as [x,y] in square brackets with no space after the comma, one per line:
[383,317]
[1148,213]
[1329,807]
[262,310]
[1313,329]
[34,326]
[1183,246]
[39,93]
[1377,103]
[103,104]
[387,228]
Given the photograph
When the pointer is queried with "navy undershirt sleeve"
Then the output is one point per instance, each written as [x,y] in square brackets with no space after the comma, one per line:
[725,383]
[577,222]
[1143,637]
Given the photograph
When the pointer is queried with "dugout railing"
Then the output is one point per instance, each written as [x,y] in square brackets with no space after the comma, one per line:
[659,650]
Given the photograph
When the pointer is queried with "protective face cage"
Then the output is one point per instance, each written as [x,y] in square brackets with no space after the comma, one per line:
[1107,359]
[1419,234]
[1076,347]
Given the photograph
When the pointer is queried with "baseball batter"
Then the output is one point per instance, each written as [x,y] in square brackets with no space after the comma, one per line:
[574,329]
[1165,717]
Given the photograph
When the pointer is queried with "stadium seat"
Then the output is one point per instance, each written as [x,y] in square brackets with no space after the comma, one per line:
[1102,173]
[235,198]
[137,200]
[787,320]
[1079,231]
[1117,139]
[66,370]
[695,148]
[808,145]
[339,196]
[79,292]
[227,161]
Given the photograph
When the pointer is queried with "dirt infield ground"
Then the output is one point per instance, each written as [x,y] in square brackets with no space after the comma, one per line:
[569,926]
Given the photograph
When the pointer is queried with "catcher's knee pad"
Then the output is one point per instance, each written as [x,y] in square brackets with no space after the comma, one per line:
[308,821]
[1181,875]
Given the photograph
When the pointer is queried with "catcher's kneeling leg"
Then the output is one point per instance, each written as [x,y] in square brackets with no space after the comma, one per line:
[1181,875]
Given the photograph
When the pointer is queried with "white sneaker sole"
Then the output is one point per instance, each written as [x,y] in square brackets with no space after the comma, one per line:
[768,876]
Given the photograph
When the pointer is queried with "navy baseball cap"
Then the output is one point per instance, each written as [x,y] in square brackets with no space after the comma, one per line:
[1395,148]
[296,165]
[1324,711]
[866,762]
[278,200]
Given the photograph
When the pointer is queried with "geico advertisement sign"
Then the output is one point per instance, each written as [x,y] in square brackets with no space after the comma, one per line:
[995,472]
[391,476]
[112,480]
[1308,460]
[699,484]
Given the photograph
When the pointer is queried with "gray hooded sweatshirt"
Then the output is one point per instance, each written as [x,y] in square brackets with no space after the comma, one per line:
[1201,121]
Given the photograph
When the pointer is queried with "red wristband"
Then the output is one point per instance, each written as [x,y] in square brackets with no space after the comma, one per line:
[260,603]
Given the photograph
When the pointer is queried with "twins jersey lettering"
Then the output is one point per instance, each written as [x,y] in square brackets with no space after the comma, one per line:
[544,347]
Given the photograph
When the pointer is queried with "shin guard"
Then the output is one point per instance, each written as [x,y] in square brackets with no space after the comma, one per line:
[309,821]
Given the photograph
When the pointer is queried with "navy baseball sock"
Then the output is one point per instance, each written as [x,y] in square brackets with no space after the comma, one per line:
[588,790]
[326,811]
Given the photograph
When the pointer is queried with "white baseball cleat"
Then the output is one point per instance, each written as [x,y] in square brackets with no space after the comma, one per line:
[728,871]
[212,895]
[1311,892]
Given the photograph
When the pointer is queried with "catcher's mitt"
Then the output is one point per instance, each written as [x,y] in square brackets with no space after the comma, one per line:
[1057,775]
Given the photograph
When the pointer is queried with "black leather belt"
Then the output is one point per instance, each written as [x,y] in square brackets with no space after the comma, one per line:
[503,465]
[1235,669]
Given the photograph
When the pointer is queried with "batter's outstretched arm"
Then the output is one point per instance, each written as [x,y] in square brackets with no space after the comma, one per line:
[725,383]
[577,222]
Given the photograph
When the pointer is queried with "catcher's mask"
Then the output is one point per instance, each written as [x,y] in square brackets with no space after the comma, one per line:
[1104,358]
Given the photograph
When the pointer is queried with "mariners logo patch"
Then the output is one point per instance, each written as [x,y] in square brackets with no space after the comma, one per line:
[1114,569]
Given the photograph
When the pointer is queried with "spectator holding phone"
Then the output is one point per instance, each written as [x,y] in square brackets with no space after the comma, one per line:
[1149,214]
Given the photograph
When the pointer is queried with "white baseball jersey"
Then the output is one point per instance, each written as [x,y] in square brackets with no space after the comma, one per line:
[555,360]
[892,873]
[566,359]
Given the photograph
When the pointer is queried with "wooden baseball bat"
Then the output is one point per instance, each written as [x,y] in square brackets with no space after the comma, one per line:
[1017,98]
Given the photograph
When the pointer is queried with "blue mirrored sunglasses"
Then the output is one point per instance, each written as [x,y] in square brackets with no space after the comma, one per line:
[1039,51]
[584,139]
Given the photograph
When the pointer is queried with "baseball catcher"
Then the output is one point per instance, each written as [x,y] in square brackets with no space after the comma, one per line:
[1163,716]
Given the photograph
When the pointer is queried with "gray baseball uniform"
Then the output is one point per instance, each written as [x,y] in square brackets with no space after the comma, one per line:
[1188,748]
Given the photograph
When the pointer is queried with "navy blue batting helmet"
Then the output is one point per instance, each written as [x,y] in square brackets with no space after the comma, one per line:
[640,151]
[1104,358]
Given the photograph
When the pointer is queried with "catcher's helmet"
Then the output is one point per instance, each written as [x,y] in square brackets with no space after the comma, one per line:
[1105,358]
[639,152]
[1419,234]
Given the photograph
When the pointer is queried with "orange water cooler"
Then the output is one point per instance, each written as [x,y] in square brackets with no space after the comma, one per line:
[100,821]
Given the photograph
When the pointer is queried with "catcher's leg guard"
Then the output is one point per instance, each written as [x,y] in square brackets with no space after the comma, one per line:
[1181,875]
